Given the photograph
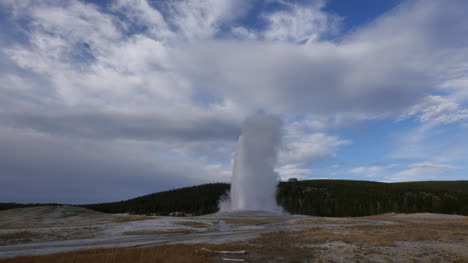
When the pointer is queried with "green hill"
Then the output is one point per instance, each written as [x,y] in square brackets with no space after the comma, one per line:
[197,200]
[360,198]
[311,197]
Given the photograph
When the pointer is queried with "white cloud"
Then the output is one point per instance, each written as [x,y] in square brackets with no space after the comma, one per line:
[140,12]
[293,171]
[243,33]
[299,24]
[458,85]
[181,72]
[80,170]
[375,170]
[437,110]
[322,77]
[398,172]
[372,72]
[421,171]
[302,148]
[203,19]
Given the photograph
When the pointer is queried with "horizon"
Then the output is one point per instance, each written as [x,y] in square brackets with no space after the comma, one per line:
[108,100]
[228,183]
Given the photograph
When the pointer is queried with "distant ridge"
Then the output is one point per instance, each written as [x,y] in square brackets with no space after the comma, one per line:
[310,197]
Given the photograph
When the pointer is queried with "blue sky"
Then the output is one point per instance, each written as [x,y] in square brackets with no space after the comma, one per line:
[360,12]
[108,100]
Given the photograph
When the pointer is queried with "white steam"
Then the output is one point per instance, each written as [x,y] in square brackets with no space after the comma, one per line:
[254,180]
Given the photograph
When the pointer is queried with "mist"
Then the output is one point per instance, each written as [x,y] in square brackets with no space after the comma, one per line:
[254,180]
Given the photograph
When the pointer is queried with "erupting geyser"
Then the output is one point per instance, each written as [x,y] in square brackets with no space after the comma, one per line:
[254,180]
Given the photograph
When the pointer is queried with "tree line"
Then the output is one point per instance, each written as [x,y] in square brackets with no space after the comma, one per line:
[310,197]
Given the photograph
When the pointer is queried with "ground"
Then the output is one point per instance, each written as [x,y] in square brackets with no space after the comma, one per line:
[71,234]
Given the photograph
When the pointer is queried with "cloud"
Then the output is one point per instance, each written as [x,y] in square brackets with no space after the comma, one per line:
[293,171]
[35,165]
[302,148]
[115,125]
[203,19]
[437,110]
[371,71]
[376,170]
[141,14]
[421,171]
[300,24]
[439,139]
[179,76]
[321,77]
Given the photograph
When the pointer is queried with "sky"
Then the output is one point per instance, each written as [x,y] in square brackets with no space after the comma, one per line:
[109,100]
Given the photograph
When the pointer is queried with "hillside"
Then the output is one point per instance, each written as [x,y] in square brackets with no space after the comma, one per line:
[311,197]
[360,198]
[197,200]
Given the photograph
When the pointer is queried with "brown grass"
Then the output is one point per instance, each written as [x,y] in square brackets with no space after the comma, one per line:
[328,221]
[165,232]
[247,221]
[5,225]
[193,224]
[279,246]
[456,220]
[365,243]
[123,219]
[389,235]
[160,254]
[320,235]
[17,235]
[175,232]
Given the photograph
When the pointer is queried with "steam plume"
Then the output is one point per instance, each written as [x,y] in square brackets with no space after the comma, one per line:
[254,180]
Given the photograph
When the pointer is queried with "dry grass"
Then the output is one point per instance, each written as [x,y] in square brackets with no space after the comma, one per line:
[175,232]
[247,221]
[321,235]
[416,219]
[193,224]
[165,232]
[123,219]
[5,225]
[17,235]
[389,235]
[362,243]
[358,243]
[26,236]
[160,254]
[328,221]
[279,246]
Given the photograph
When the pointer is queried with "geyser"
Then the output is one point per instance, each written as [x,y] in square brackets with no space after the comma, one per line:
[254,180]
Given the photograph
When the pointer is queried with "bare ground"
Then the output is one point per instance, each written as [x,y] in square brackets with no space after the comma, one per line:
[69,234]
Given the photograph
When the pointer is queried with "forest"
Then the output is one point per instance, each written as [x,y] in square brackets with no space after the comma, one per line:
[336,198]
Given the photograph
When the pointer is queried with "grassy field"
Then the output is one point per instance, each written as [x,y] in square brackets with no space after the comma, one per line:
[414,238]
[163,254]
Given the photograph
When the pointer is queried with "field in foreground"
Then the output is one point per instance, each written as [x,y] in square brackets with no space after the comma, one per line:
[80,235]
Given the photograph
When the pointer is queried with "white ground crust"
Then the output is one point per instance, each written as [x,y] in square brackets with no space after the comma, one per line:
[59,229]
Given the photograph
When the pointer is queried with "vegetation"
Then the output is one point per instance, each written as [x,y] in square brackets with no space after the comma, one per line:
[181,253]
[5,206]
[357,240]
[361,198]
[195,200]
[311,197]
